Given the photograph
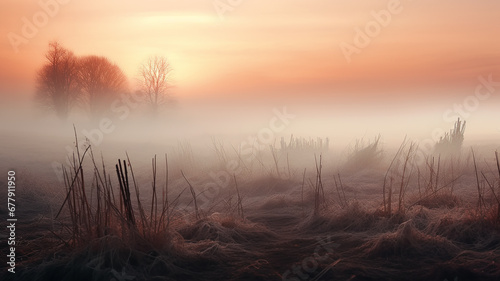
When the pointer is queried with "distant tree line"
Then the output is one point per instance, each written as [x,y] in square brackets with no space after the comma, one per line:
[94,82]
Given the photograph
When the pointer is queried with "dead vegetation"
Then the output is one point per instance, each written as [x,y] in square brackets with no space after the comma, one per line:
[451,143]
[111,224]
[364,155]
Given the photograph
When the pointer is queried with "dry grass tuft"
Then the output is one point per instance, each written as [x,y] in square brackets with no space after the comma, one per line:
[364,155]
[408,241]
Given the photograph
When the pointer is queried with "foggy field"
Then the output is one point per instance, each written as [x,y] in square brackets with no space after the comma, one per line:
[272,210]
[248,140]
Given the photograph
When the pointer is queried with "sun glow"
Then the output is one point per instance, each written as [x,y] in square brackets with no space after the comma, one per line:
[159,19]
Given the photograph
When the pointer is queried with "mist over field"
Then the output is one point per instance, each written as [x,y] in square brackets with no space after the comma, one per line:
[248,140]
[129,129]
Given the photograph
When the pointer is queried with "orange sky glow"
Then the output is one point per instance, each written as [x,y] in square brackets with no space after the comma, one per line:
[259,48]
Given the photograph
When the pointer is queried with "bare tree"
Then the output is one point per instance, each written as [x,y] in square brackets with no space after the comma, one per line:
[101,82]
[155,82]
[56,83]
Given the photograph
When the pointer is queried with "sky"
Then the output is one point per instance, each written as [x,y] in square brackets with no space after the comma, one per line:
[254,50]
